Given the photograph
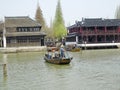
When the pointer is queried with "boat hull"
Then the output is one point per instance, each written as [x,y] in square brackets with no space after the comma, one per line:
[58,60]
[75,50]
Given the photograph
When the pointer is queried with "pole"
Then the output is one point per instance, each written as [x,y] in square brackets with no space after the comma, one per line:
[4,36]
[85,45]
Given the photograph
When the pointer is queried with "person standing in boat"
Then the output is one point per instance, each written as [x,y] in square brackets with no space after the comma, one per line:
[62,51]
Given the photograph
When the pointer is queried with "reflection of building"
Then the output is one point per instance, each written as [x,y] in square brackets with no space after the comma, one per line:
[94,32]
[21,31]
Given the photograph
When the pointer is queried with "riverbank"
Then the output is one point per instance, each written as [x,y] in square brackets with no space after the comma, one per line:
[22,49]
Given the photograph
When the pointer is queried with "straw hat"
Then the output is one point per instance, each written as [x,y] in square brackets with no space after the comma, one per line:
[53,50]
[62,46]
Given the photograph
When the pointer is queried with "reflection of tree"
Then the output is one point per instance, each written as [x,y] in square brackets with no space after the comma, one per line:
[5,80]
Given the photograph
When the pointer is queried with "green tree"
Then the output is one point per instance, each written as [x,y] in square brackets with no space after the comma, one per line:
[117,14]
[59,29]
[39,18]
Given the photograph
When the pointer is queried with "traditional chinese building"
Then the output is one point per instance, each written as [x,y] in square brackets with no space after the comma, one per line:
[21,31]
[94,33]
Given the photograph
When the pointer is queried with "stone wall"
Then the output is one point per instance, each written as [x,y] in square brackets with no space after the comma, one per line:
[23,49]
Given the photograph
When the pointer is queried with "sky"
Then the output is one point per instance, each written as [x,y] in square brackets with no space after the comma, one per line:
[72,10]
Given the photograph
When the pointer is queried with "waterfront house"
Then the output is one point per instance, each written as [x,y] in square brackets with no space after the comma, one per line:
[94,32]
[21,31]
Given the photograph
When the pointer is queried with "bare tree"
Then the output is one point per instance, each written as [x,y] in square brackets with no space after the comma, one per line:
[117,14]
[39,18]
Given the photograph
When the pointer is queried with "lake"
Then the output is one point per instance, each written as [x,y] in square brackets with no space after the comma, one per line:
[89,70]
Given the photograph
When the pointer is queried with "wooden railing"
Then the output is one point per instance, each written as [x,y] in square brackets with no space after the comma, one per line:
[98,32]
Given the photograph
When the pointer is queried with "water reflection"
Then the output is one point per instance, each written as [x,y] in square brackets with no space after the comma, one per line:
[5,58]
[5,78]
[5,74]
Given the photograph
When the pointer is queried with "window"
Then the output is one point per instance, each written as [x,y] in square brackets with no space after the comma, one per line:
[18,29]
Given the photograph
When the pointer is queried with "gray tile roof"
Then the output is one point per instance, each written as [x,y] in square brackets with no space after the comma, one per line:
[98,22]
[24,21]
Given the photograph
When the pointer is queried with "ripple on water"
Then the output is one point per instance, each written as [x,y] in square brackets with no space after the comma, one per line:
[89,70]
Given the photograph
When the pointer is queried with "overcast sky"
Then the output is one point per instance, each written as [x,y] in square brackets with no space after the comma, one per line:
[72,9]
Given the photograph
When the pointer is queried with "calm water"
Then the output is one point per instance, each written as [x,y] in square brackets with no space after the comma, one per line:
[89,70]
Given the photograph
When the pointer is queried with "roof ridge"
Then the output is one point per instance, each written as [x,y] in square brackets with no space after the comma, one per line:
[16,17]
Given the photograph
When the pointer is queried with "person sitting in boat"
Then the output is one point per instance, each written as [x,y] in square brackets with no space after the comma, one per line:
[74,46]
[62,51]
[48,54]
[53,54]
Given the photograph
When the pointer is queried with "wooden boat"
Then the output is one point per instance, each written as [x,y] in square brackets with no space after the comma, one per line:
[57,60]
[76,49]
[73,49]
[50,49]
[53,55]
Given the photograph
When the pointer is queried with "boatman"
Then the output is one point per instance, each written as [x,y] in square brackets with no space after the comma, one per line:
[62,51]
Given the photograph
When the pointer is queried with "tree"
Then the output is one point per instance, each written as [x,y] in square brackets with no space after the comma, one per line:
[39,18]
[59,29]
[117,14]
[50,30]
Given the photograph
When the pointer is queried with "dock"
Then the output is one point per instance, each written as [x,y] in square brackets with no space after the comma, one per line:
[99,45]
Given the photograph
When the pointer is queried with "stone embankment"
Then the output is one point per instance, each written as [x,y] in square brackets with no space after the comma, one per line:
[22,49]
